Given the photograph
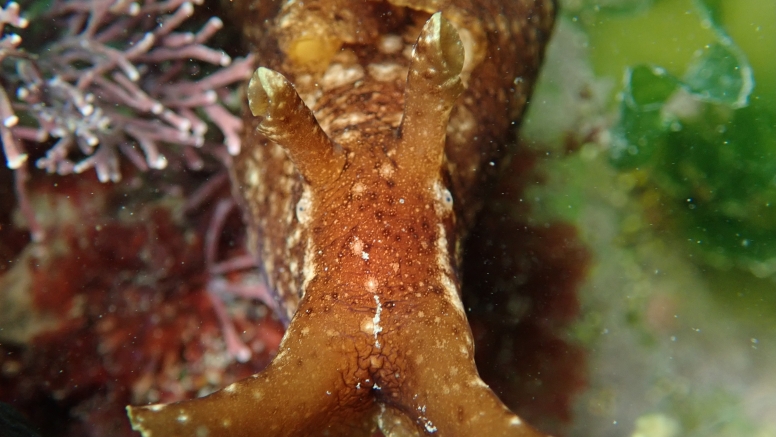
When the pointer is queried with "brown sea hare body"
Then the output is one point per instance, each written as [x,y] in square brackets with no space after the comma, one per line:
[359,182]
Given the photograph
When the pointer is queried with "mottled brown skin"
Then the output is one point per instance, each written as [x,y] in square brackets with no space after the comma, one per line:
[357,203]
[498,77]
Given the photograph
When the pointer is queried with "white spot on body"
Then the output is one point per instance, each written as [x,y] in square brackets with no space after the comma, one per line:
[253,177]
[338,75]
[477,382]
[358,188]
[390,44]
[293,266]
[515,421]
[367,326]
[304,207]
[446,271]
[444,200]
[309,268]
[348,136]
[386,170]
[183,418]
[348,120]
[357,246]
[387,72]
[376,320]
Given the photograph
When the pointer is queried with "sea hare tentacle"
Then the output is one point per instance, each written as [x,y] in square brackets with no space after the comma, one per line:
[292,125]
[433,85]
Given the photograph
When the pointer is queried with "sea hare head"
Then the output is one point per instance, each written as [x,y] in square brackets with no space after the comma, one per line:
[380,337]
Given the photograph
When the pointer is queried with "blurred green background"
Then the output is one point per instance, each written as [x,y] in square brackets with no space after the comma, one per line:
[657,124]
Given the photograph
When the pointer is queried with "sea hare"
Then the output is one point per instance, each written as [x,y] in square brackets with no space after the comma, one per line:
[371,142]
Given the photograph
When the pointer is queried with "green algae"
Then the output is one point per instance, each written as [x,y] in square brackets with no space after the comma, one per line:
[696,119]
[656,121]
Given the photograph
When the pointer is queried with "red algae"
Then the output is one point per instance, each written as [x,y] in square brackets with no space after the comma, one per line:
[520,289]
[126,316]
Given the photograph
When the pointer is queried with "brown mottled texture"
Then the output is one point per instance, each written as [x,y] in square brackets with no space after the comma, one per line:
[358,212]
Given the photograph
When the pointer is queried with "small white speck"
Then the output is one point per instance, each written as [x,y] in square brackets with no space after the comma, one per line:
[376,320]
[390,44]
[401,201]
[338,75]
[365,256]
